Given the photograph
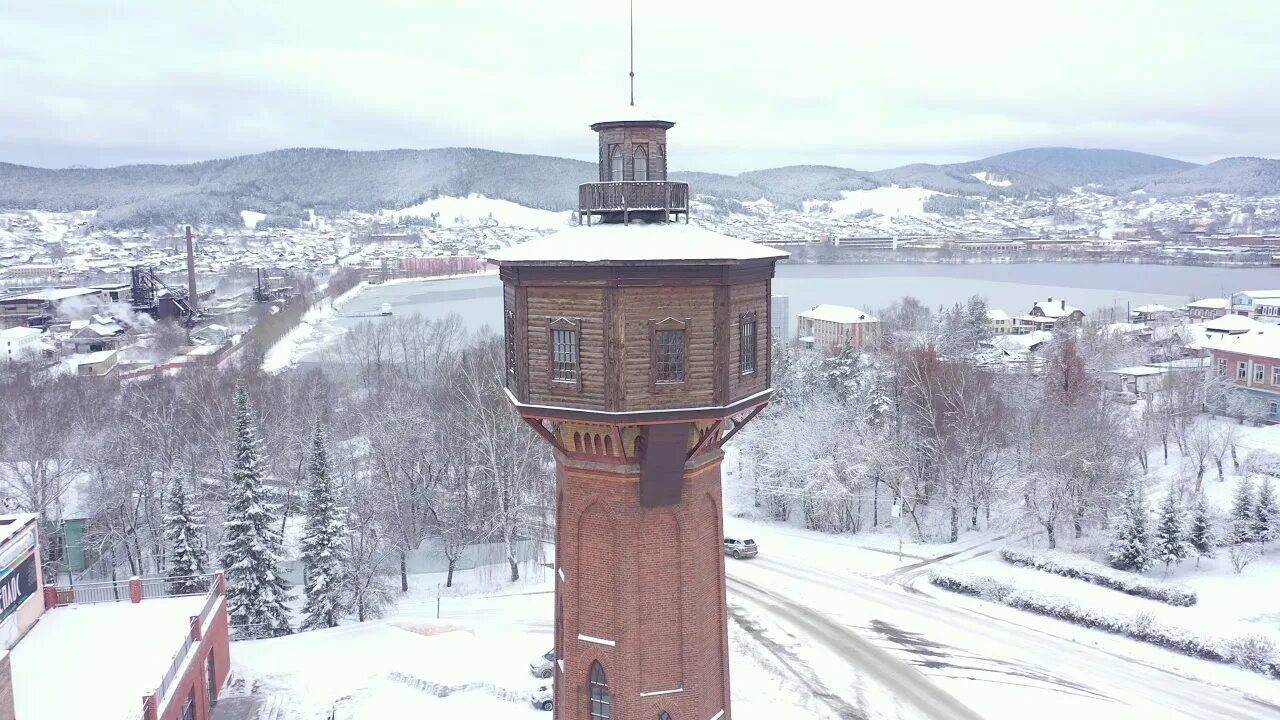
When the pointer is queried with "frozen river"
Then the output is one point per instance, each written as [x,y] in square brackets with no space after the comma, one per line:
[1012,288]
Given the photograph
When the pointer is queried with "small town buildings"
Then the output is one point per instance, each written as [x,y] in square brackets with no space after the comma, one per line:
[1242,302]
[1267,311]
[1251,362]
[1001,323]
[103,365]
[19,343]
[100,333]
[1153,313]
[985,245]
[867,242]
[37,309]
[779,318]
[1048,315]
[1207,308]
[169,651]
[833,327]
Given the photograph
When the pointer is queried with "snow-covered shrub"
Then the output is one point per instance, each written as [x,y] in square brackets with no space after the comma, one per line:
[1097,574]
[1254,652]
[1248,651]
[1242,554]
[1263,462]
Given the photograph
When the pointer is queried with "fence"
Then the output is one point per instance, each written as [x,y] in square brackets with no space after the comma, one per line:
[180,658]
[89,593]
[429,558]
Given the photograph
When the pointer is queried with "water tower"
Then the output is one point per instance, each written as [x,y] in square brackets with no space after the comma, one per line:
[637,346]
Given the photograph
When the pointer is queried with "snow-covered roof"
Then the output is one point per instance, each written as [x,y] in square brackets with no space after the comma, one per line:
[10,525]
[1153,309]
[837,314]
[1210,303]
[1233,324]
[54,295]
[1139,371]
[1255,294]
[1261,343]
[1055,308]
[94,358]
[659,243]
[18,333]
[997,315]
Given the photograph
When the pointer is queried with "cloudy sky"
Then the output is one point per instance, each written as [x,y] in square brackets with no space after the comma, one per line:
[860,83]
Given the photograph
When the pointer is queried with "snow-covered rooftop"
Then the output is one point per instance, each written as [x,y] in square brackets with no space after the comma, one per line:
[838,314]
[1210,303]
[1055,308]
[1261,343]
[55,295]
[121,651]
[18,333]
[1234,324]
[998,315]
[1139,371]
[11,524]
[1153,309]
[663,243]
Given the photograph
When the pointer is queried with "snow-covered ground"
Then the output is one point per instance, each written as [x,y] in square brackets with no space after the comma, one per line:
[888,201]
[480,210]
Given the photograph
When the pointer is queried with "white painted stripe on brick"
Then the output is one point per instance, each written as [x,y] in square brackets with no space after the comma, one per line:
[560,662]
[718,715]
[561,571]
[651,693]
[598,641]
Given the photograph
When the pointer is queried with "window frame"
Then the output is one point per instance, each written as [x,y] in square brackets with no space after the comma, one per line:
[638,152]
[599,697]
[617,173]
[509,343]
[1242,370]
[1222,367]
[667,325]
[1275,374]
[745,321]
[564,324]
[1259,373]
[1274,407]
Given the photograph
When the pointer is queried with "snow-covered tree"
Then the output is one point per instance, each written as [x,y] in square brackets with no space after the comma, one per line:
[1130,537]
[1200,532]
[324,540]
[183,534]
[1171,546]
[251,544]
[1266,513]
[1242,513]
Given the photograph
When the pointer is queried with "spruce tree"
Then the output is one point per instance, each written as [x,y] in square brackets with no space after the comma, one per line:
[1200,533]
[1171,544]
[188,557]
[323,541]
[1130,536]
[1242,515]
[251,544]
[1266,513]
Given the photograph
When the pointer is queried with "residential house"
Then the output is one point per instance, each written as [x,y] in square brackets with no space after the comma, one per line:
[19,343]
[1242,302]
[1267,311]
[1251,362]
[1153,313]
[1207,308]
[832,327]
[1001,323]
[1048,315]
[103,365]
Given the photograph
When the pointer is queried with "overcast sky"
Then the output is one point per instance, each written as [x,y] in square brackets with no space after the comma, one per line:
[751,84]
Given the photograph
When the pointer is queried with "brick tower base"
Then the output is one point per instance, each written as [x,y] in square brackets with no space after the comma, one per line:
[626,576]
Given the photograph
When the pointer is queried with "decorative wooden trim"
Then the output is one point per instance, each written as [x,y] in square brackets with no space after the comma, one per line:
[546,434]
[705,439]
[739,424]
[573,325]
[661,325]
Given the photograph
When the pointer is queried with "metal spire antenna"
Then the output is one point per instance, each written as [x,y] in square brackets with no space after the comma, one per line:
[632,27]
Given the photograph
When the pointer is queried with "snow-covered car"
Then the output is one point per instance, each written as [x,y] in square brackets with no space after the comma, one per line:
[541,697]
[740,548]
[542,666]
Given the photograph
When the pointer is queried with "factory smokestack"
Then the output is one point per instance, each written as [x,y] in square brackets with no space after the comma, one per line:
[193,298]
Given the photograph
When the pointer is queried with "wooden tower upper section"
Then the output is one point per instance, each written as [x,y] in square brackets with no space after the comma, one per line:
[633,181]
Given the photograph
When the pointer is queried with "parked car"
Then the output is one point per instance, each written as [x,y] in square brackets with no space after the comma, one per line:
[541,697]
[542,666]
[740,548]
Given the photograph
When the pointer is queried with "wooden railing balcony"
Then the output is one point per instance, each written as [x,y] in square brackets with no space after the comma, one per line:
[661,199]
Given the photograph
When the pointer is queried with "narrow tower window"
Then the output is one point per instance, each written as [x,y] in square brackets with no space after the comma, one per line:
[564,351]
[616,164]
[641,163]
[670,356]
[747,343]
[599,693]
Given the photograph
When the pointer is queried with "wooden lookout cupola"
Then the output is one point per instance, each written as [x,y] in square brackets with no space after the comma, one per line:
[636,348]
[633,181]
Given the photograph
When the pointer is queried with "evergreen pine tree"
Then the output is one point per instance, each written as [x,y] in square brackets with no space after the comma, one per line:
[188,557]
[1171,544]
[1266,513]
[323,541]
[1130,536]
[1242,516]
[251,545]
[1200,533]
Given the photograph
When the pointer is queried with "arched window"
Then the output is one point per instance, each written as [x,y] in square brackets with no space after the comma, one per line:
[577,441]
[641,163]
[616,164]
[596,443]
[608,445]
[599,693]
[638,452]
[664,715]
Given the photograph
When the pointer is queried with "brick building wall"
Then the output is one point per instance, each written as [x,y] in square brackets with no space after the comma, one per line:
[1243,370]
[214,644]
[626,575]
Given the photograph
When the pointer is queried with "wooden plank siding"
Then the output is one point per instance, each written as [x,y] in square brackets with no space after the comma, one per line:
[584,305]
[743,299]
[641,305]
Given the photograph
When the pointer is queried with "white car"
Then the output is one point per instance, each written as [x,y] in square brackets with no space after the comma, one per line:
[542,666]
[541,697]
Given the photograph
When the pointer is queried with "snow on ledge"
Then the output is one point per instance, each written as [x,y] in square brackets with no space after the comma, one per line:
[596,640]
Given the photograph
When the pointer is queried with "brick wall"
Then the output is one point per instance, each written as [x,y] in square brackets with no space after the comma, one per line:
[214,643]
[648,580]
